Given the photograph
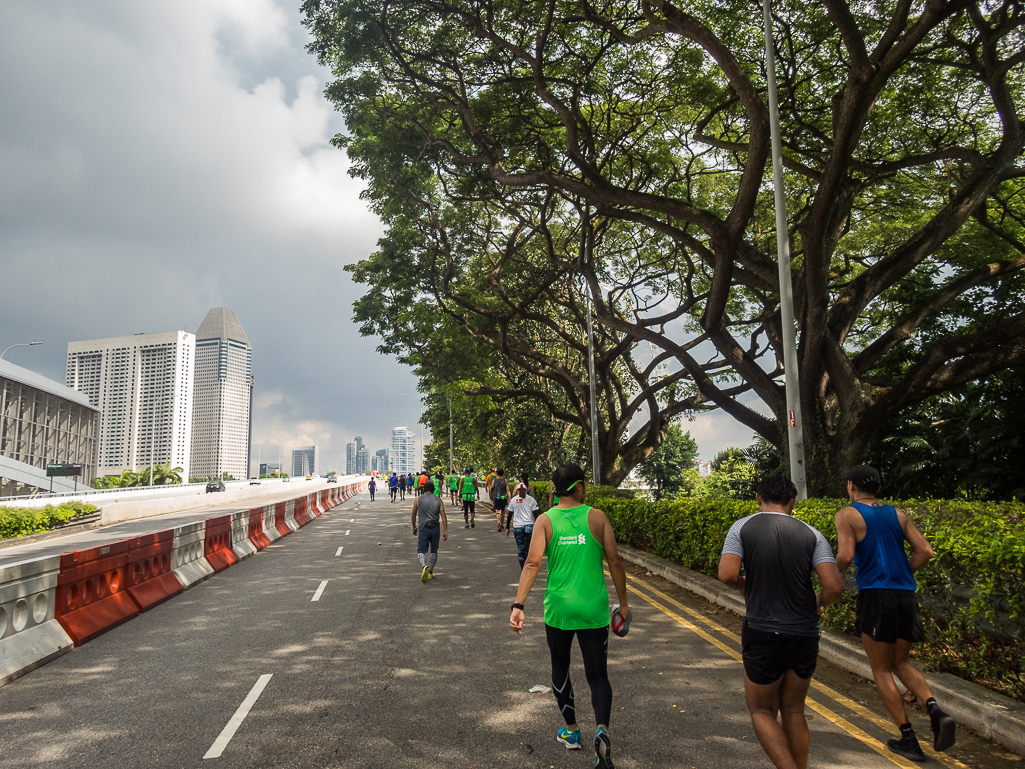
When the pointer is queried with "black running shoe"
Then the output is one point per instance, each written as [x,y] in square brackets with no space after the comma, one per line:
[943,729]
[472,525]
[907,747]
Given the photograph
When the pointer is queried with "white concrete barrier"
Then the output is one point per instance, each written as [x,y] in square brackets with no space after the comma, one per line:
[290,515]
[268,523]
[240,542]
[29,635]
[187,561]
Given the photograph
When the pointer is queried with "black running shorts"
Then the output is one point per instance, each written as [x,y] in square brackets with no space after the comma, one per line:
[499,503]
[767,656]
[886,615]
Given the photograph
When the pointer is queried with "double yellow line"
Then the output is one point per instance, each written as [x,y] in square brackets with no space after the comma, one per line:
[819,708]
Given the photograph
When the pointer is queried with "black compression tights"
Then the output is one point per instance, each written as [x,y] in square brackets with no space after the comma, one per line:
[594,648]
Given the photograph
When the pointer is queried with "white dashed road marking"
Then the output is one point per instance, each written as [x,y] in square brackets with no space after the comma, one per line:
[347,532]
[320,591]
[240,715]
[338,551]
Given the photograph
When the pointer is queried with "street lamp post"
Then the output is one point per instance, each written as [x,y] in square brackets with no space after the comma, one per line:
[595,454]
[795,424]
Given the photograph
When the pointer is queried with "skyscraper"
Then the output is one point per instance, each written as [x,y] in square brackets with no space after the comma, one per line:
[304,460]
[142,385]
[355,457]
[381,461]
[403,450]
[220,411]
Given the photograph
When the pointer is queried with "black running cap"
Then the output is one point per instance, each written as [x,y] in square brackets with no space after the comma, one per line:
[862,476]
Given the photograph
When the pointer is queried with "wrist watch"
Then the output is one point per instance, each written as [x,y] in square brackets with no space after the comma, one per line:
[517,606]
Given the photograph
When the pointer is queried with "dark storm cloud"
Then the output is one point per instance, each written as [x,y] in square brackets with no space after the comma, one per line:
[158,159]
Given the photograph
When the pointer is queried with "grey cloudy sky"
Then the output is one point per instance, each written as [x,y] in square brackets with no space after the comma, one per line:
[158,159]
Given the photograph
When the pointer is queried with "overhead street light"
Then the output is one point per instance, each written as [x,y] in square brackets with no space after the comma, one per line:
[20,344]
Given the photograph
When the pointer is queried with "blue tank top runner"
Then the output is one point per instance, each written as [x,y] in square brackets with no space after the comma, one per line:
[880,557]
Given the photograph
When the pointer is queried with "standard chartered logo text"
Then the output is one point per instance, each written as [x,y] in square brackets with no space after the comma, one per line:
[573,540]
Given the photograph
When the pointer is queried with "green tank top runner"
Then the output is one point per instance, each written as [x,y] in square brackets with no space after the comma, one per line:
[575,596]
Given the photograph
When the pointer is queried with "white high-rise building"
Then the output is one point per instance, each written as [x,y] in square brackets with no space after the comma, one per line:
[305,461]
[142,385]
[403,451]
[223,389]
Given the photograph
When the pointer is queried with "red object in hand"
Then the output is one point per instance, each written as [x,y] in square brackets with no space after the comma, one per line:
[620,624]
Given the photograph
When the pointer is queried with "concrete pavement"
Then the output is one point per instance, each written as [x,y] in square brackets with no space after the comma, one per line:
[383,671]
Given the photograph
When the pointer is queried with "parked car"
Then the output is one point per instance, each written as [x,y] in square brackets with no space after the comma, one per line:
[286,479]
[215,486]
[255,482]
[309,477]
[332,479]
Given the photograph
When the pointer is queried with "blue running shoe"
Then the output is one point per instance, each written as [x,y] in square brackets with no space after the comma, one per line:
[570,739]
[602,749]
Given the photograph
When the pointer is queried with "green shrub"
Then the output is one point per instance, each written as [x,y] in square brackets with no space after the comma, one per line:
[21,521]
[972,592]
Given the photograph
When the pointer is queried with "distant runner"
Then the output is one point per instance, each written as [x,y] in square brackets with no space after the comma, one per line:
[523,509]
[422,483]
[393,486]
[780,636]
[576,538]
[525,482]
[500,498]
[372,487]
[428,510]
[453,486]
[871,535]
[402,487]
[468,492]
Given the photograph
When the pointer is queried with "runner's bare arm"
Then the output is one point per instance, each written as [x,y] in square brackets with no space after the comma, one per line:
[444,522]
[729,571]
[412,518]
[921,550]
[531,567]
[608,543]
[832,584]
[846,538]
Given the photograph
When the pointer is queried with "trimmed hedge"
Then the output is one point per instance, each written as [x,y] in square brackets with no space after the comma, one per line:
[972,592]
[21,521]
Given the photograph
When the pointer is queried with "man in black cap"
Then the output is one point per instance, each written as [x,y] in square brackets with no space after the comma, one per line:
[871,535]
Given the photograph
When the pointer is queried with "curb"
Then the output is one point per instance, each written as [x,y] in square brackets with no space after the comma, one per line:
[990,714]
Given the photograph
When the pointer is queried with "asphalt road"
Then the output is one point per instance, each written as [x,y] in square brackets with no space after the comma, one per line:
[383,671]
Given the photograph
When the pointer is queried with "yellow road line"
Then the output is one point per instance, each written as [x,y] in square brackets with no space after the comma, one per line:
[847,702]
[835,718]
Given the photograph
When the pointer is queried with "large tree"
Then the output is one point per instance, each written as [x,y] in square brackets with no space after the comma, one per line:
[903,150]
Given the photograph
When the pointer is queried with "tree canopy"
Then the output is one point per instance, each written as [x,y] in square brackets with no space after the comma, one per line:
[529,155]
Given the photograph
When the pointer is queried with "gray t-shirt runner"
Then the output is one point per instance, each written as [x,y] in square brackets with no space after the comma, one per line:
[428,509]
[779,554]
